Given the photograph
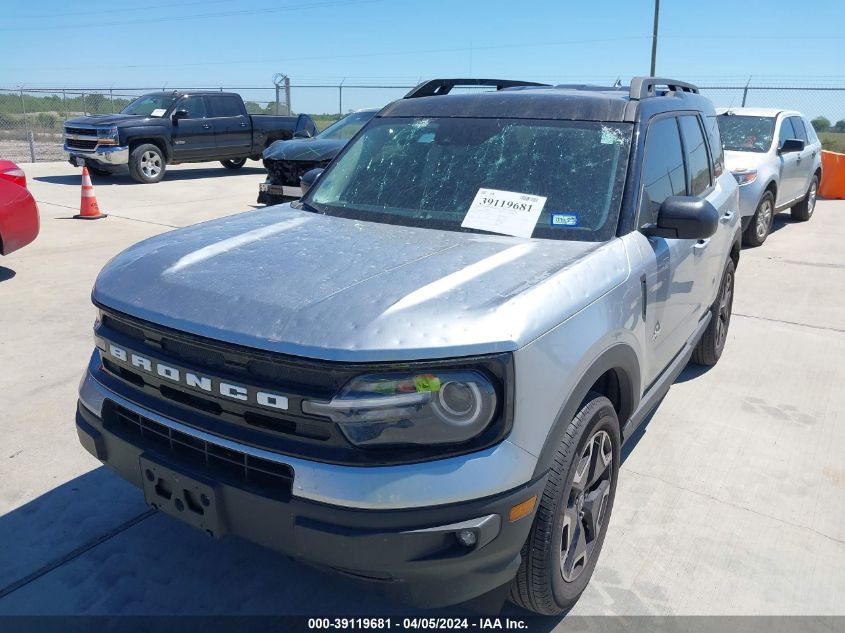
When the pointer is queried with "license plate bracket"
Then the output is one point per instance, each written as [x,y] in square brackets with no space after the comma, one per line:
[185,497]
[80,161]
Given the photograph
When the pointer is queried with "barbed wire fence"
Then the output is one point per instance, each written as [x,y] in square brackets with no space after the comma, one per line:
[32,119]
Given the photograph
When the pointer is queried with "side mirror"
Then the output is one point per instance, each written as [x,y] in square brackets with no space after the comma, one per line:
[302,134]
[309,178]
[179,114]
[791,145]
[685,218]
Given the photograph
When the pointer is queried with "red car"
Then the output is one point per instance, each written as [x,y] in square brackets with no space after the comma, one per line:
[18,211]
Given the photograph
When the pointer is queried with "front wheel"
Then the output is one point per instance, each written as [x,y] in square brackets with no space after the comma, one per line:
[712,342]
[803,211]
[233,163]
[146,164]
[565,540]
[761,222]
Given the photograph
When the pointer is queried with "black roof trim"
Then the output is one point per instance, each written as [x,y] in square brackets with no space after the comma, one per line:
[644,87]
[444,86]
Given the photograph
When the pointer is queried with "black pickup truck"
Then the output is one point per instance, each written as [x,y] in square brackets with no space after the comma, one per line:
[168,128]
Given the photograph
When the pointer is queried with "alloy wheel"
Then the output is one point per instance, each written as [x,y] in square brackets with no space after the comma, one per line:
[724,313]
[764,219]
[150,164]
[811,198]
[586,505]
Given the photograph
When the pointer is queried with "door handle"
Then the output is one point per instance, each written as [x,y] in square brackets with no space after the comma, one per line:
[243,124]
[206,126]
[798,159]
[727,216]
[700,245]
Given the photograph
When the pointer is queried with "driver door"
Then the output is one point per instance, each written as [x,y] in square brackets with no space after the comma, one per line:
[193,135]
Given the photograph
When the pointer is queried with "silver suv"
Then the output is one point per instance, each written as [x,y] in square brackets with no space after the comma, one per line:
[775,157]
[422,373]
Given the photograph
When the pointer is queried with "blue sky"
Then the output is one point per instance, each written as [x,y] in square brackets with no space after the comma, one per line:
[106,43]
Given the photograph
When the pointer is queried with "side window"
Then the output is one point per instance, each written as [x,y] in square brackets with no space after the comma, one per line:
[811,132]
[786,131]
[225,106]
[698,162]
[663,169]
[716,148]
[798,126]
[195,106]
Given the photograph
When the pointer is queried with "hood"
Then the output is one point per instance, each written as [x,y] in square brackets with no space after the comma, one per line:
[736,161]
[336,289]
[119,120]
[311,149]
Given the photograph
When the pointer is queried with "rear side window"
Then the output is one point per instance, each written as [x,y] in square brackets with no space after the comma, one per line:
[698,162]
[798,126]
[811,132]
[663,169]
[716,149]
[225,106]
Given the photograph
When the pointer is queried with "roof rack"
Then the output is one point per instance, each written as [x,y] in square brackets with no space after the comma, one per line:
[644,87]
[436,87]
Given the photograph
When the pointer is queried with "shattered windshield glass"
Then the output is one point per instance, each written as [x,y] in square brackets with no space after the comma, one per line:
[150,105]
[427,172]
[742,133]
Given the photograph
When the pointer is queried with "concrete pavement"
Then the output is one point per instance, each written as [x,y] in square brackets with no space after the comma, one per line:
[731,500]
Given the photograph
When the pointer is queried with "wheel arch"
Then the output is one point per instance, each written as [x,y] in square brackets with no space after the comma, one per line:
[615,374]
[157,141]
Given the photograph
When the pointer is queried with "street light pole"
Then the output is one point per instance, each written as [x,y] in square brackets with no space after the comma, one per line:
[654,36]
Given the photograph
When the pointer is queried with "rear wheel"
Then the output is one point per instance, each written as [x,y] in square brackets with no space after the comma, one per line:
[146,163]
[563,546]
[761,222]
[712,343]
[803,211]
[233,163]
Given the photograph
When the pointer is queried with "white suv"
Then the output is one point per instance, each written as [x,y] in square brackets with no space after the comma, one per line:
[775,157]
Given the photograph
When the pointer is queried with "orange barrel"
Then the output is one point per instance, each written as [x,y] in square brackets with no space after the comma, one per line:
[833,175]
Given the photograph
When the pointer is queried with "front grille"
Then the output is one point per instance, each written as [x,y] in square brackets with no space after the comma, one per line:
[261,476]
[288,172]
[80,144]
[81,131]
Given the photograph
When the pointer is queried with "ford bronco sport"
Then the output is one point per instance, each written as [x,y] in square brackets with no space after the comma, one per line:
[422,373]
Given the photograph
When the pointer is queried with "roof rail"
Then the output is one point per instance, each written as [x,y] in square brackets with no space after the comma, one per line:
[444,86]
[644,87]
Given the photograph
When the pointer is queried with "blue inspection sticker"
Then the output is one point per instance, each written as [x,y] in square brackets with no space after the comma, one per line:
[564,219]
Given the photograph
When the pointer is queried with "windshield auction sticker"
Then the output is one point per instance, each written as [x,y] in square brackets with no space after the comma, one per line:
[504,212]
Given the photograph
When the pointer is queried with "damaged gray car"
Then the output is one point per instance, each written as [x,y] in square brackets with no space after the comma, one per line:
[421,375]
[288,161]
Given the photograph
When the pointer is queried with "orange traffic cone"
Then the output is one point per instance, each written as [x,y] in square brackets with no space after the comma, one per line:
[88,208]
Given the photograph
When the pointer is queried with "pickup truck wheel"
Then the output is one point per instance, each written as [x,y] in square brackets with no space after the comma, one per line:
[712,342]
[563,546]
[761,222]
[233,163]
[803,211]
[146,164]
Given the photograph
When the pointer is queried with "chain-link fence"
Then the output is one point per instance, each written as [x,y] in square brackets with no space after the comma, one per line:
[31,119]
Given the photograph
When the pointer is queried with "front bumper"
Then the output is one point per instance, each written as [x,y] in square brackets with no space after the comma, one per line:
[107,155]
[411,552]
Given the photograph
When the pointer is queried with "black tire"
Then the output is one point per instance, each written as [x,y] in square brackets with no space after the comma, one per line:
[761,222]
[803,211]
[233,163]
[712,342]
[146,163]
[540,584]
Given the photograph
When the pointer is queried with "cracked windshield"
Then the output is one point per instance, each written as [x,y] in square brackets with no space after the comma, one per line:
[427,172]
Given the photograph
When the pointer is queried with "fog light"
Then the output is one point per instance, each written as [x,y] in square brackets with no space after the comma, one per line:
[467,538]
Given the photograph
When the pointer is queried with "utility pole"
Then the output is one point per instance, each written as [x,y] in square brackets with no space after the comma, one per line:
[654,37]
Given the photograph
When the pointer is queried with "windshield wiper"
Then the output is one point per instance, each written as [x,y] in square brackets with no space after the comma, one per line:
[300,204]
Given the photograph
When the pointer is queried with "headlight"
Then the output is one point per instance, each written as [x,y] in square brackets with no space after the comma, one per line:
[107,136]
[745,176]
[445,407]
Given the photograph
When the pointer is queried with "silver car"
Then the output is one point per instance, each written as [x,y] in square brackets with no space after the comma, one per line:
[421,374]
[775,157]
